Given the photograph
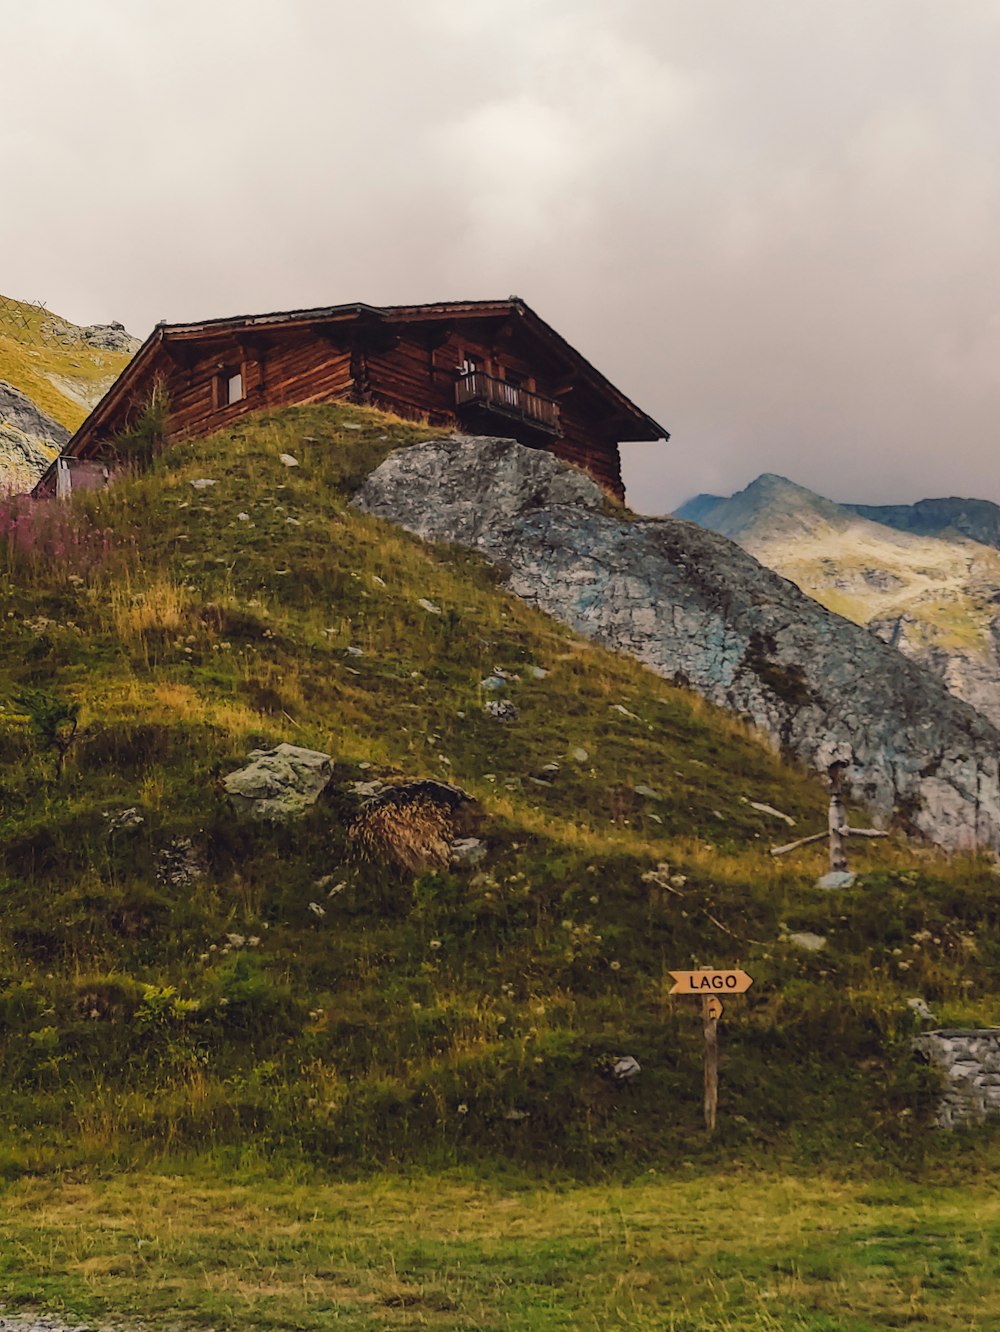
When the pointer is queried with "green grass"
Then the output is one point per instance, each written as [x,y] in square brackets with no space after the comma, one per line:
[449,1017]
[51,363]
[740,1252]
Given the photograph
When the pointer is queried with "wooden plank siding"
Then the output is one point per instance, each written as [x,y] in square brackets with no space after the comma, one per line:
[408,360]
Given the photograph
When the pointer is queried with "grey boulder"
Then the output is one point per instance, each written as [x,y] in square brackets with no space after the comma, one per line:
[279,783]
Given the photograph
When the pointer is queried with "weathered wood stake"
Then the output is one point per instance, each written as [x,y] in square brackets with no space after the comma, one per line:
[837,823]
[710,1024]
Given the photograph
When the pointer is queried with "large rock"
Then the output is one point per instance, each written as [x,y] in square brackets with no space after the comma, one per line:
[696,608]
[279,783]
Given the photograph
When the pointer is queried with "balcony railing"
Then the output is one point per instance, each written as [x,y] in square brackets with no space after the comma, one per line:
[478,389]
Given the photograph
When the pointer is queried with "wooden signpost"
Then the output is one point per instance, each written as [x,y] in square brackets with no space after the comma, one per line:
[710,983]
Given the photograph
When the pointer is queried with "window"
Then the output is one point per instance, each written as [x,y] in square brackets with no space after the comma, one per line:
[228,386]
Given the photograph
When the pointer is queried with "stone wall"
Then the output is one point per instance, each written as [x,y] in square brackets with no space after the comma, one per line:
[970,1061]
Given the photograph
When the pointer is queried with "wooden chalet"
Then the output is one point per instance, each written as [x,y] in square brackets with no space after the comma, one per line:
[483,367]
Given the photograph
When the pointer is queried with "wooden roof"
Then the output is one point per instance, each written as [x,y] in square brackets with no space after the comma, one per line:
[641,426]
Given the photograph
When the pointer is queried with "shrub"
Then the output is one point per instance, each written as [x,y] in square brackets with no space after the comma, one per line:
[144,441]
[53,723]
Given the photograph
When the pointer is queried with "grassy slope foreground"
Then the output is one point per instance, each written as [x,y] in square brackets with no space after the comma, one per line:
[175,984]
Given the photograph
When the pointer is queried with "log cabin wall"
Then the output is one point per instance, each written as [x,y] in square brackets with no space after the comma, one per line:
[284,373]
[417,375]
[495,372]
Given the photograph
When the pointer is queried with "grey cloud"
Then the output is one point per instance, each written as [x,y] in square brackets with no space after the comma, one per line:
[773,224]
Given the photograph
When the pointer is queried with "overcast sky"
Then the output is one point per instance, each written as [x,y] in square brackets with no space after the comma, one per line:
[774,223]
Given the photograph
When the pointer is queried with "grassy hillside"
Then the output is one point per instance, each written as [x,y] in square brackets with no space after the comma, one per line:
[177,981]
[52,362]
[864,573]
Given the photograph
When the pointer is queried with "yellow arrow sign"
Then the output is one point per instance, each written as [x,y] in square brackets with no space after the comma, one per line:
[710,982]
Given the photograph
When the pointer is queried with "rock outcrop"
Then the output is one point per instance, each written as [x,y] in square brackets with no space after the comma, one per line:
[113,337]
[29,439]
[697,609]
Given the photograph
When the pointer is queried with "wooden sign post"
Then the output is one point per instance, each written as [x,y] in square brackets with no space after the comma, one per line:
[709,984]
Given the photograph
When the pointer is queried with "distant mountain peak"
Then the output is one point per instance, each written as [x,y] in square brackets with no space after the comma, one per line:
[770,500]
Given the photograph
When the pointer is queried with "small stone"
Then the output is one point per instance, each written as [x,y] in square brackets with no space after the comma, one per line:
[121,820]
[537,672]
[288,460]
[836,879]
[467,851]
[812,943]
[647,792]
[429,606]
[502,709]
[579,754]
[920,1007]
[625,1068]
[493,683]
[203,483]
[243,517]
[624,712]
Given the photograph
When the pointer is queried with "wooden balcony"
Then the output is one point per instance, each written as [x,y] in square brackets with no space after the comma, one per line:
[481,391]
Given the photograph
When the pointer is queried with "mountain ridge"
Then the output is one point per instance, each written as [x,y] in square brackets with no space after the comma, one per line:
[934,597]
[974,518]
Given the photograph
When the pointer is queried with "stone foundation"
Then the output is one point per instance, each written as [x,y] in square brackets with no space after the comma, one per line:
[970,1061]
